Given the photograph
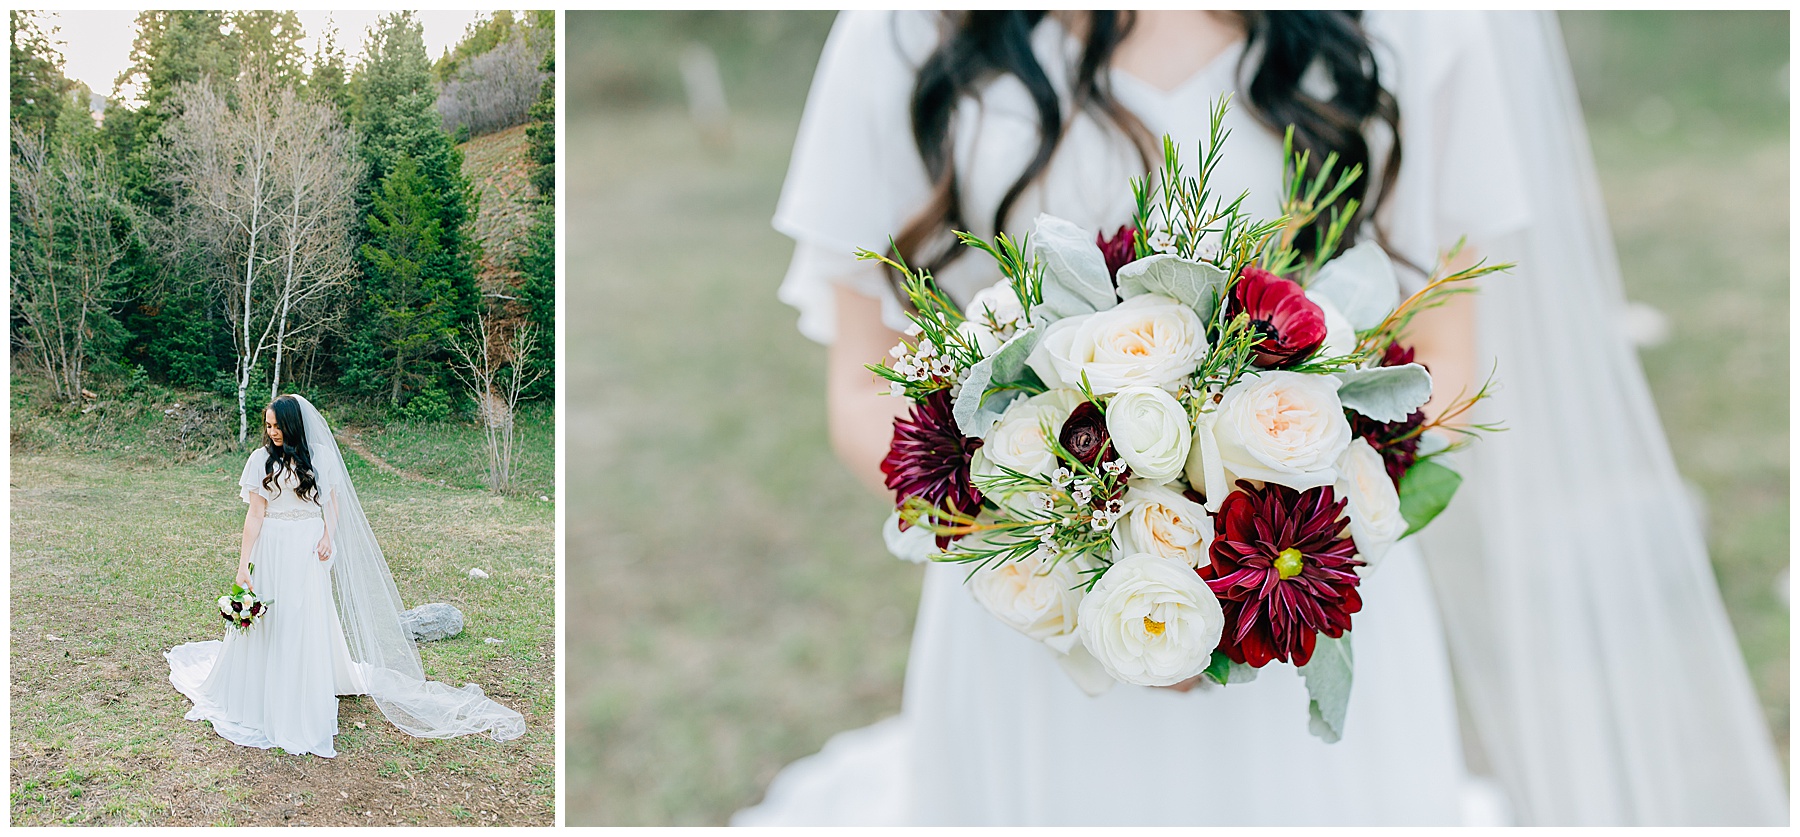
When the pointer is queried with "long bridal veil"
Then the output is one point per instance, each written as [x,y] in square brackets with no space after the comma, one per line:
[1589,641]
[369,607]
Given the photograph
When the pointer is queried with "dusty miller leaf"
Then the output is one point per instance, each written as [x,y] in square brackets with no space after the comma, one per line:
[1361,283]
[1328,675]
[1076,280]
[1385,393]
[1197,285]
[976,411]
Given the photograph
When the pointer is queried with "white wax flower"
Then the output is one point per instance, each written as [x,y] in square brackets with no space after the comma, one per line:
[1032,596]
[1374,507]
[1148,340]
[1151,621]
[994,316]
[1286,428]
[1159,521]
[1150,431]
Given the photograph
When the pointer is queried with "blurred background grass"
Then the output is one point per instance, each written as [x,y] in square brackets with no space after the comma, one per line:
[731,603]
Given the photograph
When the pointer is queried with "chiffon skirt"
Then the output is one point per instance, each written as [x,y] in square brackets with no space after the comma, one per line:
[992,732]
[275,684]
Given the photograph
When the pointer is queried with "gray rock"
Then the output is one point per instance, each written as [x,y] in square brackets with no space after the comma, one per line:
[432,621]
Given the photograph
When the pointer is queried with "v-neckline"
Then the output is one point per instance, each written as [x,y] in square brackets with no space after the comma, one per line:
[1229,54]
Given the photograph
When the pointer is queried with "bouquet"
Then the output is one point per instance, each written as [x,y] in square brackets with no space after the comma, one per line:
[241,607]
[1178,450]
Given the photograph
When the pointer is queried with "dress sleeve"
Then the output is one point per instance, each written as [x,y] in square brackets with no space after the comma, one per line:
[855,176]
[251,480]
[1461,173]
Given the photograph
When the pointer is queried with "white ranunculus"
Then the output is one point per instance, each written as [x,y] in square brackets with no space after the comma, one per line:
[1205,468]
[1286,428]
[1150,431]
[1151,621]
[916,544]
[224,604]
[1340,336]
[1018,440]
[1031,596]
[1374,507]
[1148,340]
[1158,520]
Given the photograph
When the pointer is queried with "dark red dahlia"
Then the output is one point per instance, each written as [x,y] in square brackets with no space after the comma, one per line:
[929,459]
[1120,250]
[1293,327]
[1284,568]
[1396,355]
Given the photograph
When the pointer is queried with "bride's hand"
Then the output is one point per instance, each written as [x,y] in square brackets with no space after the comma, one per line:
[243,577]
[1185,685]
[324,548]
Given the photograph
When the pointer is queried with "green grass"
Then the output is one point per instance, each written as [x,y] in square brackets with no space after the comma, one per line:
[146,541]
[735,605]
[450,452]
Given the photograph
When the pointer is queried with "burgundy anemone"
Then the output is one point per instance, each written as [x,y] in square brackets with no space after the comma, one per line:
[1284,569]
[1120,250]
[929,459]
[1293,327]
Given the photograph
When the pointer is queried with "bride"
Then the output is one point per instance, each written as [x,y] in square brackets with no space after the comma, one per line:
[1580,630]
[275,683]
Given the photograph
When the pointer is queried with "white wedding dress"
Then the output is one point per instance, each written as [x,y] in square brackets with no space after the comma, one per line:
[275,683]
[334,628]
[991,730]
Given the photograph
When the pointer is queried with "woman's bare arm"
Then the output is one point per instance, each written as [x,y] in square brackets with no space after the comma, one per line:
[253,521]
[1444,339]
[860,413]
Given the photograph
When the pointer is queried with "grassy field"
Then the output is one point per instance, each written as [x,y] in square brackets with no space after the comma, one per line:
[736,607]
[99,523]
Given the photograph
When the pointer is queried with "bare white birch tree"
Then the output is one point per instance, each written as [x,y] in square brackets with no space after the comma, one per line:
[62,267]
[496,373]
[263,179]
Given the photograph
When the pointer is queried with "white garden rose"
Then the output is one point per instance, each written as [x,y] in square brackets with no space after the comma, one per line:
[1286,428]
[1157,520]
[1018,439]
[1374,507]
[1340,336]
[1149,340]
[224,604]
[1033,596]
[1151,621]
[994,316]
[1150,431]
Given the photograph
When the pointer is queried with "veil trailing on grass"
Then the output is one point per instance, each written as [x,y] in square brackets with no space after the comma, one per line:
[1590,643]
[369,607]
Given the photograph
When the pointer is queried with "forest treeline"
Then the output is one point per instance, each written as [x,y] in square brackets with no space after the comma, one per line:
[262,220]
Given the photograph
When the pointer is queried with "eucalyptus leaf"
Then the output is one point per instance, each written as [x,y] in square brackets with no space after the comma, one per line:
[1076,280]
[1361,283]
[975,411]
[1197,285]
[1425,491]
[1328,676]
[1385,393]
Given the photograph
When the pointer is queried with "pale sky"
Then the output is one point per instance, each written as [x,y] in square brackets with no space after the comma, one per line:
[96,46]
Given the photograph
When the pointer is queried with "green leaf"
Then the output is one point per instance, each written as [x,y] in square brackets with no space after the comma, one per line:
[1075,277]
[1385,393]
[1197,285]
[974,410]
[1328,676]
[1361,284]
[1225,672]
[1425,491]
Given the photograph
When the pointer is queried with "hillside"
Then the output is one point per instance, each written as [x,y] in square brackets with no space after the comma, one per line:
[498,166]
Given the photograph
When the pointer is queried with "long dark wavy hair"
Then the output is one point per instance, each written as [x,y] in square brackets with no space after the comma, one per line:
[983,45]
[292,455]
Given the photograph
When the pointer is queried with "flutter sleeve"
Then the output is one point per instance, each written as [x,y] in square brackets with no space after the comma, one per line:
[1461,172]
[251,480]
[855,176]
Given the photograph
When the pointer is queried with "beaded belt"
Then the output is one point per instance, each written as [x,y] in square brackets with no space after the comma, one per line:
[294,514]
